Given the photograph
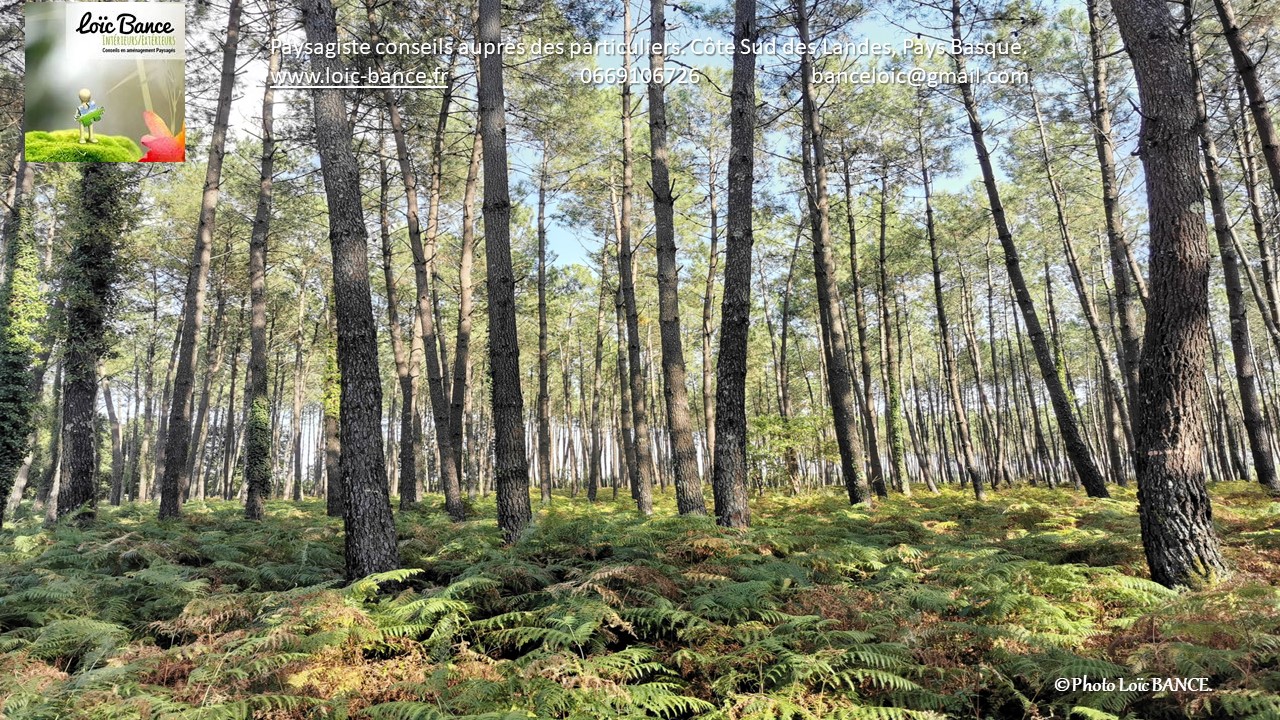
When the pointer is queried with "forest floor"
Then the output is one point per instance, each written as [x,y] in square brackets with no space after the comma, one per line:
[930,606]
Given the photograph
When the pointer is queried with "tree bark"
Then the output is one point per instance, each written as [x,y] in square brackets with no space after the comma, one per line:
[839,376]
[173,484]
[257,431]
[684,455]
[99,219]
[511,468]
[370,532]
[1173,505]
[729,470]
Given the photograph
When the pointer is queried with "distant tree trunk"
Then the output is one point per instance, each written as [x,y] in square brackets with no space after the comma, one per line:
[1068,425]
[173,485]
[594,472]
[684,455]
[729,471]
[1244,147]
[462,349]
[257,430]
[117,444]
[100,215]
[299,378]
[624,396]
[642,470]
[51,483]
[1118,245]
[229,444]
[893,386]
[424,263]
[1173,505]
[1248,71]
[22,313]
[708,306]
[839,376]
[791,454]
[1110,374]
[370,531]
[544,397]
[410,441]
[212,364]
[511,467]
[335,495]
[1255,421]
[864,350]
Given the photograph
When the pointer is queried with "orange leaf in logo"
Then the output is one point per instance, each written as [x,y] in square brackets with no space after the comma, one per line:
[162,145]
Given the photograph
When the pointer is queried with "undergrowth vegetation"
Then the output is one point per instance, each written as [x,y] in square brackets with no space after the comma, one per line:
[924,607]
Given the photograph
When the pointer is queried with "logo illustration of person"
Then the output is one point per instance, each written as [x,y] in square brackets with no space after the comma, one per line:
[87,114]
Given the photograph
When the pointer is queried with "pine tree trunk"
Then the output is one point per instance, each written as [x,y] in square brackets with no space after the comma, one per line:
[544,398]
[869,431]
[1173,505]
[893,387]
[257,431]
[684,455]
[173,484]
[370,531]
[1077,448]
[839,376]
[335,494]
[595,471]
[100,218]
[1100,108]
[708,331]
[969,467]
[410,441]
[729,470]
[642,469]
[1255,422]
[511,470]
[1248,71]
[1249,172]
[117,444]
[22,313]
[212,364]
[1110,373]
[462,348]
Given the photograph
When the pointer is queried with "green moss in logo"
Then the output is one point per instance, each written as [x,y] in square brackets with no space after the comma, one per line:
[65,146]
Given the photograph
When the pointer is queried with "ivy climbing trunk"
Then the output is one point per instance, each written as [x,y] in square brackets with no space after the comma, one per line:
[99,217]
[257,431]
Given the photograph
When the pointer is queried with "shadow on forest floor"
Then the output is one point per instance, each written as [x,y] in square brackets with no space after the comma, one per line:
[930,606]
